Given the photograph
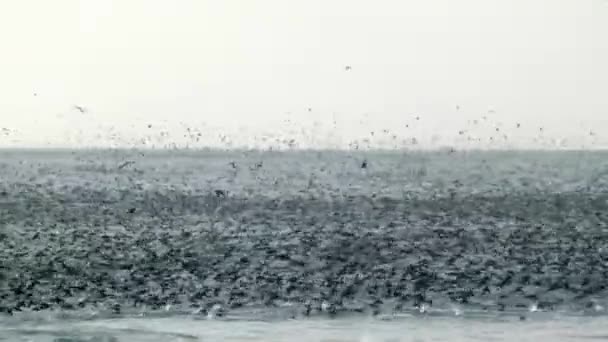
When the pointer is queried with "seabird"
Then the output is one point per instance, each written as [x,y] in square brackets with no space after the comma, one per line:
[80,109]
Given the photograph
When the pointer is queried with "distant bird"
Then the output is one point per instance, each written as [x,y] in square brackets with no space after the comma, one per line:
[348,68]
[457,107]
[364,164]
[80,109]
[518,125]
[310,109]
[125,164]
[35,94]
[256,166]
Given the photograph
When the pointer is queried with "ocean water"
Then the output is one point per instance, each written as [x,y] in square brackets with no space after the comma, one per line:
[182,245]
[396,329]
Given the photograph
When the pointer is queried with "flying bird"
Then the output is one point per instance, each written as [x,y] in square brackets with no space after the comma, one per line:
[80,109]
[125,164]
[348,68]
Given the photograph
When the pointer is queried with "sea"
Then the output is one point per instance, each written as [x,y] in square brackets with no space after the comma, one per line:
[247,245]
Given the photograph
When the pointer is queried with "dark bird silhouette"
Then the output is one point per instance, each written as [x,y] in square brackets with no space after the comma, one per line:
[256,166]
[125,164]
[348,68]
[80,109]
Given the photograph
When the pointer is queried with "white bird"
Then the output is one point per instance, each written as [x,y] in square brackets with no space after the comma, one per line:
[214,311]
[324,306]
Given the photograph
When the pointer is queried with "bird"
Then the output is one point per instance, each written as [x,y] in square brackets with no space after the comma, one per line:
[348,68]
[125,164]
[80,109]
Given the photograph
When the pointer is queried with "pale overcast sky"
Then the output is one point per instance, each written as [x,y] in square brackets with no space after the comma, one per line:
[150,72]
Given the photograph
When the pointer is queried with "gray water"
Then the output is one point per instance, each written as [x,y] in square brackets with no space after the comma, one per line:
[125,245]
[403,328]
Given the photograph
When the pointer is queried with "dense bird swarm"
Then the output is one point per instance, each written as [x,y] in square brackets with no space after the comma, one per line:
[195,234]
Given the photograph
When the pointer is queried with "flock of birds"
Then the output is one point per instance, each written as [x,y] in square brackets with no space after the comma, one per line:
[386,138]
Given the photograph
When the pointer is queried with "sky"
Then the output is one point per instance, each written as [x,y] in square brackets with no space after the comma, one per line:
[314,73]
